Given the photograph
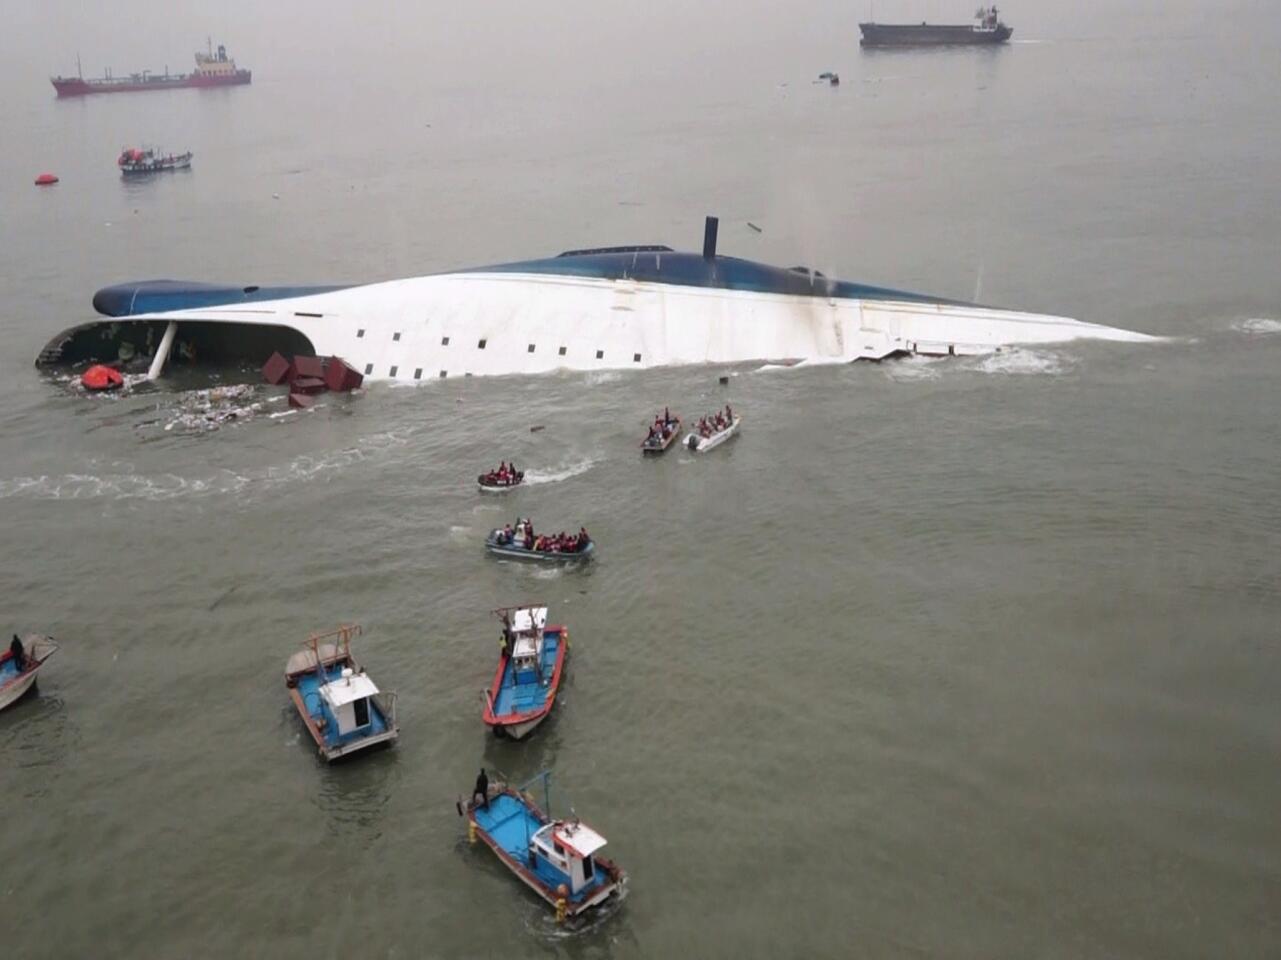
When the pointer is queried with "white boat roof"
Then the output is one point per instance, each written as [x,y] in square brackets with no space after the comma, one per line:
[526,646]
[347,689]
[529,618]
[578,838]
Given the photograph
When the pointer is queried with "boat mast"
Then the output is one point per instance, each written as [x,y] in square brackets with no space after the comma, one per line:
[79,71]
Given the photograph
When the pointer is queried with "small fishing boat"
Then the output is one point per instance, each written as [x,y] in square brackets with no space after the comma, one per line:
[662,434]
[133,161]
[530,666]
[16,678]
[342,708]
[500,480]
[510,544]
[557,859]
[701,444]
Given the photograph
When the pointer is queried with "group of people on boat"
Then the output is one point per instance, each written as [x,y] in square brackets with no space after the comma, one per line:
[505,476]
[522,534]
[714,423]
[662,428]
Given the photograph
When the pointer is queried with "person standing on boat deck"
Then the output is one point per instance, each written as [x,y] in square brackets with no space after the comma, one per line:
[16,652]
[481,790]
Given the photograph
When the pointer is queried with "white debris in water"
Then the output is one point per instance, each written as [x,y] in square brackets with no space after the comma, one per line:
[202,410]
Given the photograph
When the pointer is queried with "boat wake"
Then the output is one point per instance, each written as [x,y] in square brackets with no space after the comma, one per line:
[533,477]
[123,484]
[1257,325]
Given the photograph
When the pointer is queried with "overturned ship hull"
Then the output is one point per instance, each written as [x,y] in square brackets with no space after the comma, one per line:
[629,307]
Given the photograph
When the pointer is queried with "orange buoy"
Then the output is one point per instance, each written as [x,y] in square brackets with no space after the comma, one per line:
[45,179]
[101,377]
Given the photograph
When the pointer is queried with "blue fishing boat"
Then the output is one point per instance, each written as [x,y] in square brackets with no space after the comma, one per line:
[529,672]
[558,859]
[342,708]
[519,542]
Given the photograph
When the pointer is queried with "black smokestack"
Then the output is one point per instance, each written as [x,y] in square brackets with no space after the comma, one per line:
[709,238]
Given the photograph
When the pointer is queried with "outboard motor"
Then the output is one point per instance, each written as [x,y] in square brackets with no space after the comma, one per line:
[693,442]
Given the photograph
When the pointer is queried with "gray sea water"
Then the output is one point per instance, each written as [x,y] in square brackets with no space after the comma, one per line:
[947,658]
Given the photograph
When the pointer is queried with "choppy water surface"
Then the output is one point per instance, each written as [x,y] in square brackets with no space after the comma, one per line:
[957,657]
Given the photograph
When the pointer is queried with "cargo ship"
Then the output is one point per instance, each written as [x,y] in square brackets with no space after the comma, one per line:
[986,28]
[212,70]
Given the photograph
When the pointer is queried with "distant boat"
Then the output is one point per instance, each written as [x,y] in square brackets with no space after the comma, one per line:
[342,708]
[530,667]
[212,70]
[134,161]
[986,28]
[558,859]
[17,678]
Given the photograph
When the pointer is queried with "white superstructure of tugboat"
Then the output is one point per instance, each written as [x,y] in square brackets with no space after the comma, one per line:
[609,308]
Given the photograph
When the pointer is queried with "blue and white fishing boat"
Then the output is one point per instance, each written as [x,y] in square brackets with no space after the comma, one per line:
[19,665]
[342,708]
[530,667]
[519,542]
[558,859]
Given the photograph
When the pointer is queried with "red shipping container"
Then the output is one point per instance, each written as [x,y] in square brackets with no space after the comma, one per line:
[340,376]
[276,369]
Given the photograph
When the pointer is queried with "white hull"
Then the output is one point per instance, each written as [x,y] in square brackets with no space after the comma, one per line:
[506,489]
[518,731]
[494,323]
[14,691]
[715,440]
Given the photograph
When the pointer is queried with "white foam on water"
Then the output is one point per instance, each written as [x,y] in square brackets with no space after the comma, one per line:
[556,475]
[602,376]
[123,484]
[1257,325]
[546,573]
[1017,361]
[916,367]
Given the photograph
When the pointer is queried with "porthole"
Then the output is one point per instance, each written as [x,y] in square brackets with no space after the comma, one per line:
[444,341]
[531,348]
[444,374]
[392,372]
[395,336]
[562,351]
[369,368]
[360,333]
[418,374]
[635,358]
[600,354]
[481,345]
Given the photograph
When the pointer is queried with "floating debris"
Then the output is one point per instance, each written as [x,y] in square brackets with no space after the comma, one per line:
[754,227]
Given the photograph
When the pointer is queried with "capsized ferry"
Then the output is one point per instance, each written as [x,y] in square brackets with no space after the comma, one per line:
[633,307]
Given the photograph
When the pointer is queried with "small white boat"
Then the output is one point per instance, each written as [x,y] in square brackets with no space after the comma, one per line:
[702,444]
[17,678]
